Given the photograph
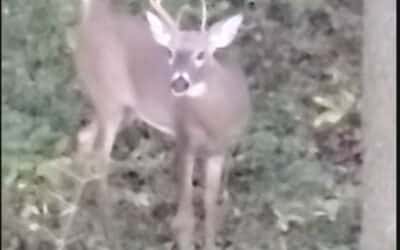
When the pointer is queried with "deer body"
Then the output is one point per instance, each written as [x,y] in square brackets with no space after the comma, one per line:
[133,68]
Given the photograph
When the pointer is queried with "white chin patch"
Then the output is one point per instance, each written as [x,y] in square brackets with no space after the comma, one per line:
[197,90]
[198,63]
[177,94]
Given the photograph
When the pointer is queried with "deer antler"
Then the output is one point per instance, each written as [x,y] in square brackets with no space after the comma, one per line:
[186,8]
[204,15]
[180,13]
[156,4]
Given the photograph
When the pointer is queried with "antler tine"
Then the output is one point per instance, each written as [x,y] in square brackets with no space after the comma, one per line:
[204,15]
[181,11]
[156,4]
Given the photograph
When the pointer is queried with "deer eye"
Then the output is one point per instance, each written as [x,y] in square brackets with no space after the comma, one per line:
[200,56]
[170,53]
[170,56]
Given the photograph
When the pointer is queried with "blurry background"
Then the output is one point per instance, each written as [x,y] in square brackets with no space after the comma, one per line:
[293,180]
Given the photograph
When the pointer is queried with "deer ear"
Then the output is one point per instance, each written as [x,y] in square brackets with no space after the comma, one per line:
[159,30]
[222,33]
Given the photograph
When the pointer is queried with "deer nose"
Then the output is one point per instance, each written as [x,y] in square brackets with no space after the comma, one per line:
[180,85]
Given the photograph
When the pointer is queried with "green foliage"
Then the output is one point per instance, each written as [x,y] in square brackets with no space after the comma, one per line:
[37,99]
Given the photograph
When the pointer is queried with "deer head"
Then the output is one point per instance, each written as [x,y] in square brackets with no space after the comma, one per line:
[190,52]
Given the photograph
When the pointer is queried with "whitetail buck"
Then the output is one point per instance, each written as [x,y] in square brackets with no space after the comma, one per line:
[147,68]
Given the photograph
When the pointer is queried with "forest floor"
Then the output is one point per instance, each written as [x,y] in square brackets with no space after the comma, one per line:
[293,181]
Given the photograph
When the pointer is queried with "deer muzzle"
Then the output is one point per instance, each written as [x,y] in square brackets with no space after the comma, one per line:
[179,85]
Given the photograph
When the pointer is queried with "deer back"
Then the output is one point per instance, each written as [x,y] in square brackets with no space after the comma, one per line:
[121,66]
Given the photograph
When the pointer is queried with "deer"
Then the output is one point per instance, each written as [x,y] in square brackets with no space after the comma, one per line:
[146,68]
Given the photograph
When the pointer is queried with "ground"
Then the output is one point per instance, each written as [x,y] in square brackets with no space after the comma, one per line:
[293,180]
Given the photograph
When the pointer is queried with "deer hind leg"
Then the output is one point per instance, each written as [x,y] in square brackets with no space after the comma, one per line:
[183,222]
[108,129]
[97,138]
[86,138]
[213,176]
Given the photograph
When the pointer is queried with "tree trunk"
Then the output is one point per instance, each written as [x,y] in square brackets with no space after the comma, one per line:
[379,118]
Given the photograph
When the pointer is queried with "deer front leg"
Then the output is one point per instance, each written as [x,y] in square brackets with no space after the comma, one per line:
[183,222]
[213,175]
